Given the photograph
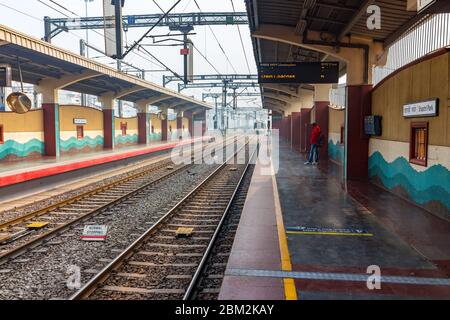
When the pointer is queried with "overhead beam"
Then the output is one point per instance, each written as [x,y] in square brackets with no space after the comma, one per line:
[281,88]
[153,100]
[278,97]
[354,20]
[126,92]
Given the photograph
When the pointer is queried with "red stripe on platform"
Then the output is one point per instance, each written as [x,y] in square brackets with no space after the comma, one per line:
[93,237]
[58,169]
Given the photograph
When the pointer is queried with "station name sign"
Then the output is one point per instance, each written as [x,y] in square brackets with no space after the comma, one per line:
[429,108]
[299,72]
[79,121]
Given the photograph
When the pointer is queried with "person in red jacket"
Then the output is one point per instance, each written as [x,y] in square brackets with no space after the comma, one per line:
[314,152]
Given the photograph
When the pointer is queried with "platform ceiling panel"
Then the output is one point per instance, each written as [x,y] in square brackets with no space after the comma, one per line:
[333,16]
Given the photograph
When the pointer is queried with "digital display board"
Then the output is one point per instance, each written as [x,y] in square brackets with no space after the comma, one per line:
[299,72]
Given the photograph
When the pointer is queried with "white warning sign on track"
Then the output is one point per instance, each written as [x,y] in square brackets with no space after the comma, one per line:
[94,233]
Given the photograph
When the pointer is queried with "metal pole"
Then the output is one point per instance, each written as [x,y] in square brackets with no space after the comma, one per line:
[119,68]
[215,120]
[87,30]
[185,46]
[83,53]
[47,30]
[2,99]
[118,12]
[224,104]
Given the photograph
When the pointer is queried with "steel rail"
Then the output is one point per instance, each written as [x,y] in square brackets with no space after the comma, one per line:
[161,163]
[81,196]
[104,274]
[54,232]
[194,282]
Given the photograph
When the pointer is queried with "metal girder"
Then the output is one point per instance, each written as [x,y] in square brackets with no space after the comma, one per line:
[54,26]
[212,77]
[182,86]
[219,95]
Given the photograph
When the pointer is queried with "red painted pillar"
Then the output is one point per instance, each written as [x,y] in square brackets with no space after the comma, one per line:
[180,127]
[296,130]
[142,127]
[322,115]
[51,129]
[289,128]
[359,105]
[164,129]
[108,129]
[304,128]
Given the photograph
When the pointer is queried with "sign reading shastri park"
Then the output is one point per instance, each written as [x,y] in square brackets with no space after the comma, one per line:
[429,108]
[299,72]
[79,121]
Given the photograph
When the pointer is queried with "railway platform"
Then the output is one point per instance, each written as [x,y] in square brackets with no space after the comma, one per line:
[302,235]
[17,172]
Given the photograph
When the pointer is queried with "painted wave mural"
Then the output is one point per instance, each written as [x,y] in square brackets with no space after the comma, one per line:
[155,136]
[336,151]
[422,187]
[127,139]
[11,147]
[74,143]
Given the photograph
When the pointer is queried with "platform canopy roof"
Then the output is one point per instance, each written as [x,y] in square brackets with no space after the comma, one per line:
[333,20]
[40,60]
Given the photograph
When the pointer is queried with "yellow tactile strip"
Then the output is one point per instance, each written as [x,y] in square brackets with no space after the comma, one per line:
[290,290]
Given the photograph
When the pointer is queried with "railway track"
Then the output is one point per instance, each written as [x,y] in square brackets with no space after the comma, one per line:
[162,265]
[210,276]
[28,231]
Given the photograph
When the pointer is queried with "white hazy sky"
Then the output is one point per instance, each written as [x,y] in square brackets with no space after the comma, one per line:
[32,23]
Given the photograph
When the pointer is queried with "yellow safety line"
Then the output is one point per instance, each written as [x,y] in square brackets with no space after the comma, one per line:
[290,290]
[331,233]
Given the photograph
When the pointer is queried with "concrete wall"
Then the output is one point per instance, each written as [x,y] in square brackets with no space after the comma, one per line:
[389,154]
[156,123]
[186,128]
[23,135]
[172,136]
[93,130]
[335,123]
[131,138]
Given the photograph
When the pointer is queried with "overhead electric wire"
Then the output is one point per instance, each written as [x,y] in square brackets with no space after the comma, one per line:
[168,69]
[104,35]
[21,12]
[198,50]
[63,7]
[242,42]
[206,59]
[45,4]
[217,40]
[136,43]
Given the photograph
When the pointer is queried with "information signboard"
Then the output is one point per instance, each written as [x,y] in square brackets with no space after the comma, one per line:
[94,233]
[299,72]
